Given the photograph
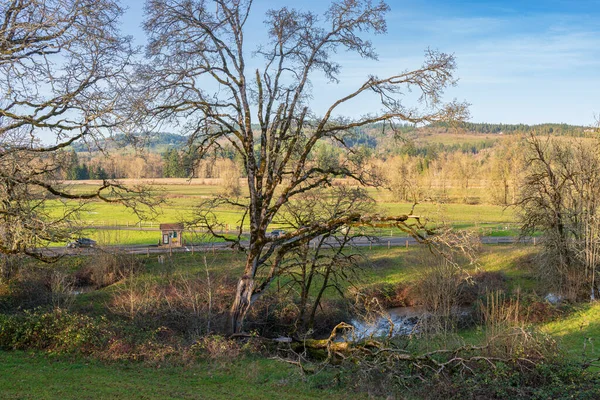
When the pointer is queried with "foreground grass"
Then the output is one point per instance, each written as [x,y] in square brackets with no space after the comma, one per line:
[579,332]
[36,376]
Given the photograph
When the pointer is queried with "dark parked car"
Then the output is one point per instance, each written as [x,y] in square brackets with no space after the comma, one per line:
[82,242]
[277,232]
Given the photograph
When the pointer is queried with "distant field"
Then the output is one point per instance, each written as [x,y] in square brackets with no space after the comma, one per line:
[183,197]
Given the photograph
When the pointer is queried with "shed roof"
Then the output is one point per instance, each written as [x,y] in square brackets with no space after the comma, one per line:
[171,227]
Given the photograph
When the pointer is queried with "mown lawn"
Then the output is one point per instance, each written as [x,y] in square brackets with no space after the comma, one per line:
[37,376]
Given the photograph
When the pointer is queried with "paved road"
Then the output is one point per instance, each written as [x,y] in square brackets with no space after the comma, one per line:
[203,247]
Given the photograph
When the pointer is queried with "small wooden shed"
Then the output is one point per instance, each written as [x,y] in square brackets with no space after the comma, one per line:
[171,235]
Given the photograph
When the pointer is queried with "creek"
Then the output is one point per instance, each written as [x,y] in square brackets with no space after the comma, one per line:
[399,321]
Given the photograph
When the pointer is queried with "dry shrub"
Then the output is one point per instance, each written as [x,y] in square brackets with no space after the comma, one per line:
[149,351]
[329,314]
[217,348]
[135,298]
[541,311]
[83,276]
[390,295]
[117,350]
[276,314]
[61,288]
[575,285]
[438,290]
[499,312]
[195,304]
[27,290]
[479,284]
[107,268]
[273,314]
[187,303]
[567,278]
[506,334]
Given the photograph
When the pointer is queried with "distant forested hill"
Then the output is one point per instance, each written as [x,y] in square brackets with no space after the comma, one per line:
[157,142]
[482,127]
[375,136]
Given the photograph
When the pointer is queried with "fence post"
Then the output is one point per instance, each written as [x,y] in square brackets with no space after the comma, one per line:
[407,243]
[388,244]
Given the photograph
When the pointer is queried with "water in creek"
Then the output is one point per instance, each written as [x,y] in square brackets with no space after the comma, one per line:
[399,320]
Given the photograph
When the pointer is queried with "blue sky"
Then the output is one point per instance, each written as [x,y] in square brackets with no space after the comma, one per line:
[518,61]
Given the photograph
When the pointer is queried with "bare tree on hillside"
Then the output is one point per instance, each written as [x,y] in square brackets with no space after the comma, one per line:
[198,76]
[61,64]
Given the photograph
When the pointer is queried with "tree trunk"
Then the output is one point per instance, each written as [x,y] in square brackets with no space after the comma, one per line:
[244,292]
[241,304]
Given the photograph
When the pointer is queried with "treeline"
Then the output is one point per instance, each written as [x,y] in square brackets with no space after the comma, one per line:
[431,150]
[157,142]
[544,129]
[490,175]
[172,163]
[483,171]
[488,170]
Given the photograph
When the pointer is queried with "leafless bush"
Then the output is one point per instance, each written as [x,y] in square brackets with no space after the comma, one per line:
[507,336]
[61,287]
[27,290]
[389,295]
[218,348]
[479,284]
[438,290]
[499,312]
[190,304]
[134,298]
[106,268]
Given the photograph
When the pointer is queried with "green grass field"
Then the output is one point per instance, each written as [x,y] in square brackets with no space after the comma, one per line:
[182,200]
[37,376]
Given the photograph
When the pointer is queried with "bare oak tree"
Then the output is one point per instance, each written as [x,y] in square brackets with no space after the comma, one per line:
[198,76]
[61,64]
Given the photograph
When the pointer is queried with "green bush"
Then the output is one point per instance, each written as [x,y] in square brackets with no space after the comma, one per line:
[55,331]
